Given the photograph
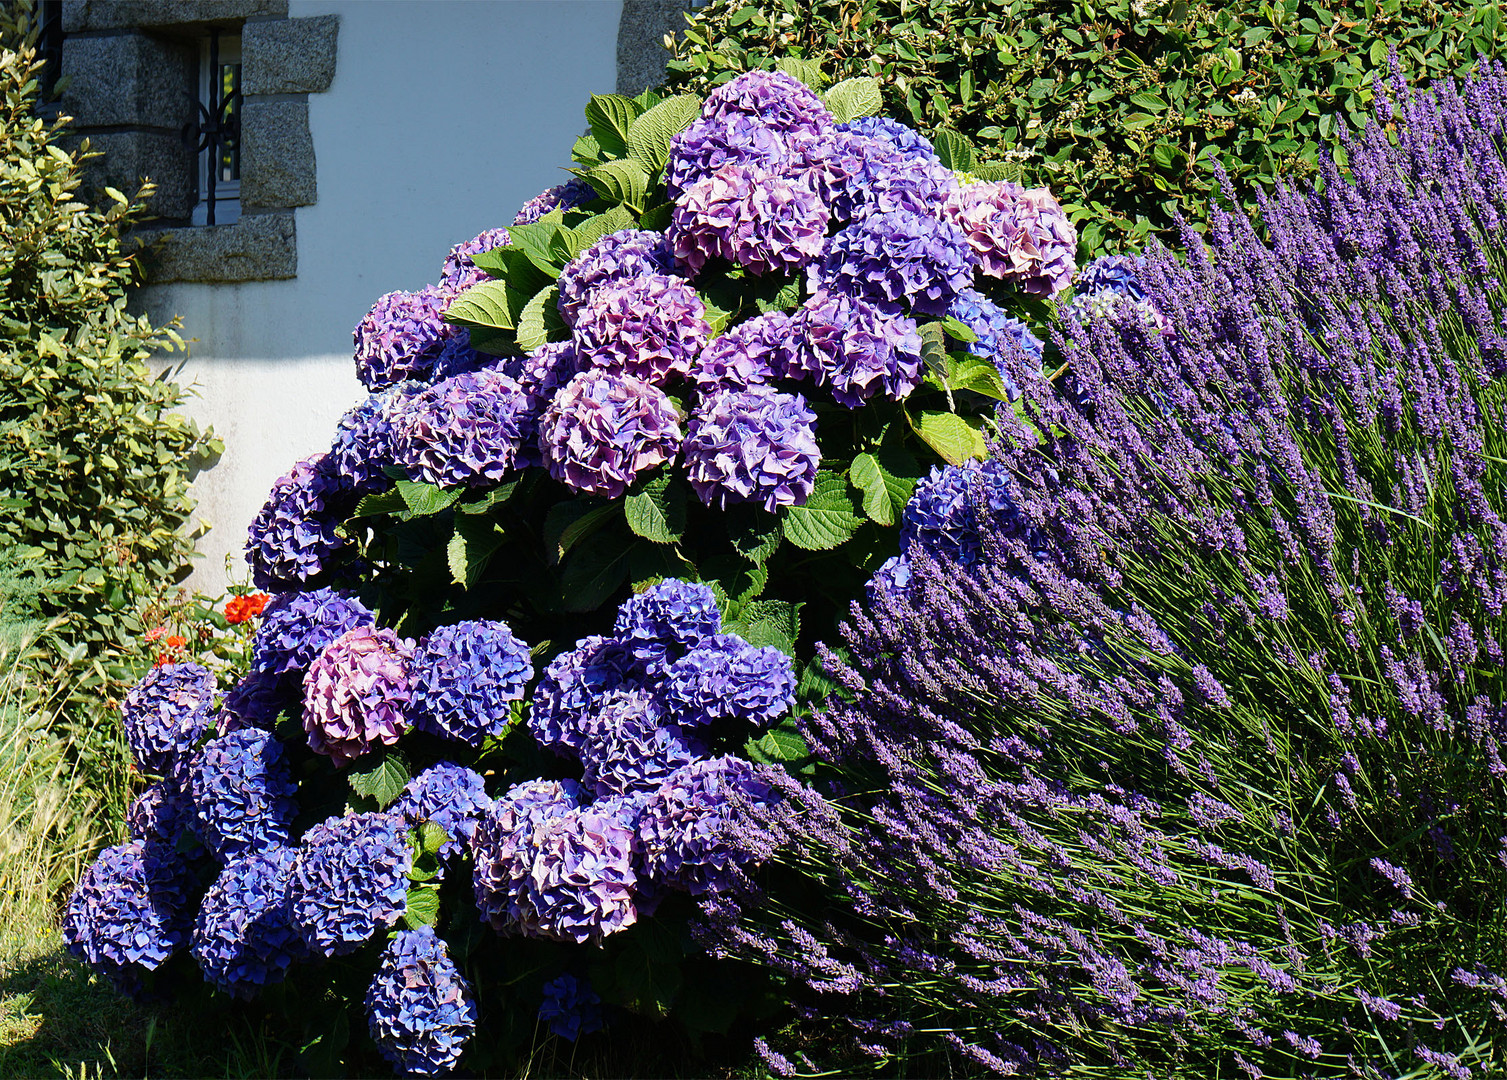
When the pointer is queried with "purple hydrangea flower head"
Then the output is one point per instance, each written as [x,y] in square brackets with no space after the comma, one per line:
[709,145]
[364,441]
[453,797]
[420,1009]
[685,829]
[650,327]
[166,714]
[616,257]
[886,178]
[356,693]
[466,678]
[573,685]
[1020,236]
[754,445]
[296,628]
[160,814]
[1119,273]
[897,256]
[500,847]
[891,579]
[459,272]
[999,335]
[255,702]
[907,142]
[752,218]
[748,354]
[857,348]
[462,431]
[580,885]
[129,911]
[293,537]
[604,429]
[243,793]
[401,336]
[541,375]
[781,100]
[243,938]
[665,621]
[728,679]
[570,1008]
[631,747]
[458,357]
[349,880]
[567,196]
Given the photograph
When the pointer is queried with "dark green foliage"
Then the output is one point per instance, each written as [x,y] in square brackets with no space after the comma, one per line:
[1121,107]
[94,462]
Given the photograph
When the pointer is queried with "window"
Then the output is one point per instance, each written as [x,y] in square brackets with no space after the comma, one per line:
[217,137]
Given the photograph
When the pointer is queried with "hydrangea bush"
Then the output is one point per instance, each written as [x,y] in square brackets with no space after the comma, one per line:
[1176,746]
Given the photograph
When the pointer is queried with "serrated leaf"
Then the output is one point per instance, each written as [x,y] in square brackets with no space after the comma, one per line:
[382,779]
[432,837]
[491,305]
[487,499]
[422,907]
[827,518]
[546,244]
[568,523]
[884,495]
[656,218]
[958,331]
[955,151]
[651,134]
[381,502]
[586,151]
[717,317]
[755,534]
[533,321]
[425,500]
[978,375]
[623,181]
[994,171]
[471,547]
[952,437]
[807,71]
[595,570]
[853,98]
[610,117]
[599,225]
[774,623]
[657,511]
[934,347]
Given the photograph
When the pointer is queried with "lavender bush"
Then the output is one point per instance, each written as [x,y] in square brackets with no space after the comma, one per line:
[1186,758]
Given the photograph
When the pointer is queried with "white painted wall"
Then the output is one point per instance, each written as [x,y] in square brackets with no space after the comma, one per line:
[443,118]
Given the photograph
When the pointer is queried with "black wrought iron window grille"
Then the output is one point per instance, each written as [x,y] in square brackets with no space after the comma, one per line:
[215,134]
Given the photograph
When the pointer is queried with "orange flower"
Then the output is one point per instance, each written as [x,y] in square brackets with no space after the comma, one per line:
[176,642]
[240,608]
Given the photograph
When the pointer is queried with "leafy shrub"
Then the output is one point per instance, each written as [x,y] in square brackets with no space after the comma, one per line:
[713,370]
[1196,766]
[94,461]
[1120,106]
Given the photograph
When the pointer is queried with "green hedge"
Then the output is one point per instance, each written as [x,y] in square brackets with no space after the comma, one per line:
[1119,106]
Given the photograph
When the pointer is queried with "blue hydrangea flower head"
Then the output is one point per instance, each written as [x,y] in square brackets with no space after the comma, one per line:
[726,678]
[166,714]
[466,678]
[401,337]
[685,829]
[160,814]
[243,793]
[891,579]
[129,911]
[573,685]
[1118,273]
[453,797]
[293,539]
[501,851]
[420,1008]
[907,142]
[459,272]
[458,357]
[943,513]
[1001,338]
[349,880]
[567,196]
[780,100]
[255,700]
[618,256]
[709,145]
[570,1008]
[857,348]
[631,746]
[752,445]
[581,882]
[651,327]
[364,441]
[604,429]
[296,628]
[243,938]
[887,178]
[897,256]
[541,375]
[747,355]
[753,218]
[462,431]
[662,623]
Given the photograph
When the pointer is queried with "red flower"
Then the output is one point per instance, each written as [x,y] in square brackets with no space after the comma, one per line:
[156,633]
[176,642]
[240,608]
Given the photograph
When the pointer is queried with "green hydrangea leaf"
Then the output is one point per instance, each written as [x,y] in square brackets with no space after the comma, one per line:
[650,135]
[610,117]
[379,777]
[853,98]
[657,510]
[624,181]
[807,71]
[952,437]
[422,907]
[826,520]
[955,151]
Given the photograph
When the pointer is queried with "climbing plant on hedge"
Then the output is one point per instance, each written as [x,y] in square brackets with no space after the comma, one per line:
[94,461]
[1120,106]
